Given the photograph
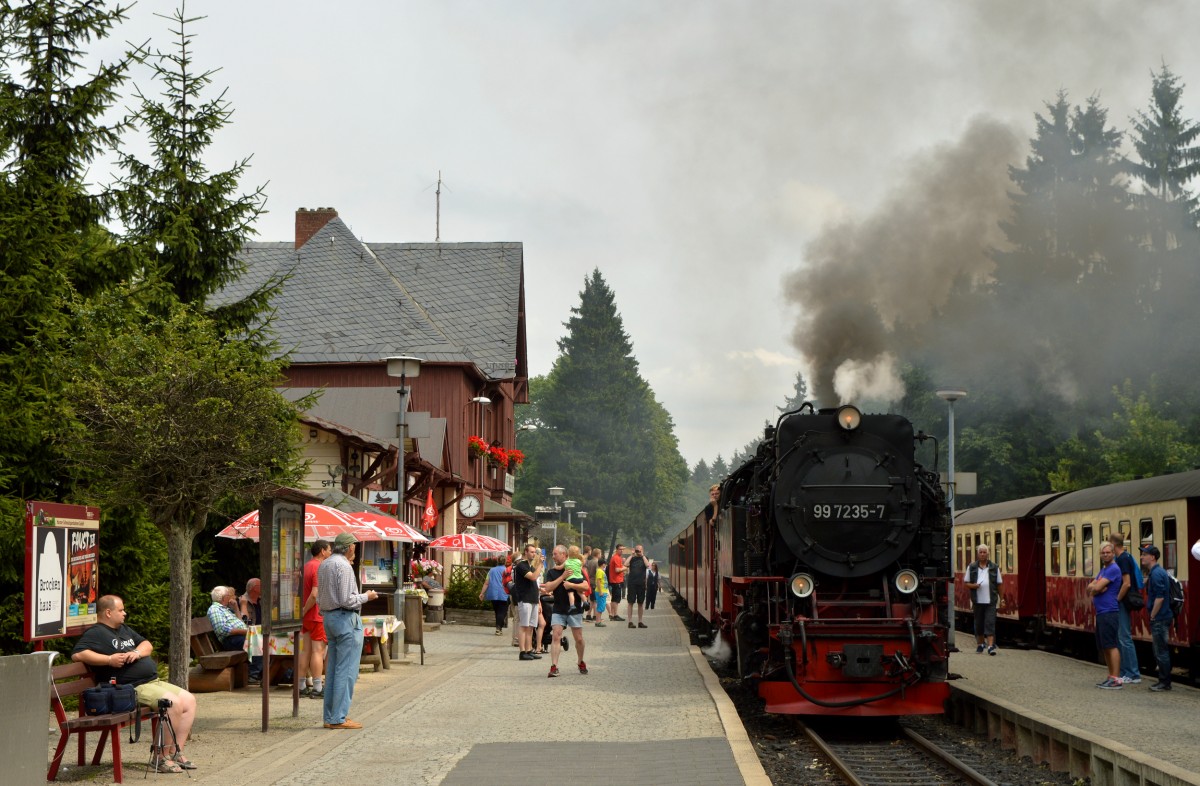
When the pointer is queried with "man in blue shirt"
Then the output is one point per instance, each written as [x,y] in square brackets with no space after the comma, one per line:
[1104,590]
[1158,602]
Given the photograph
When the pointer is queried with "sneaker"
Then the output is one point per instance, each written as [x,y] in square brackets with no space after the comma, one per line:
[1160,686]
[632,625]
[535,655]
[565,645]
[1110,684]
[643,625]
[306,691]
[616,618]
[499,632]
[526,656]
[1134,680]
[992,650]
[601,625]
[553,671]
[583,668]
[317,694]
[979,649]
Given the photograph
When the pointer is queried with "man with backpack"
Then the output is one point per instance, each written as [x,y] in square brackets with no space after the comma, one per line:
[1158,598]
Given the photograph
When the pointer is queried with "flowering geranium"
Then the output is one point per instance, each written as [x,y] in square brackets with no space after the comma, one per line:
[477,446]
[424,567]
[515,459]
[498,455]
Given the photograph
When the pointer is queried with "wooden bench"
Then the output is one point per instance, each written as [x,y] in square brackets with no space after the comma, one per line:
[72,680]
[218,669]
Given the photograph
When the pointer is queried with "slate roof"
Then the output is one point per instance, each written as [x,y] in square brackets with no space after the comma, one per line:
[346,301]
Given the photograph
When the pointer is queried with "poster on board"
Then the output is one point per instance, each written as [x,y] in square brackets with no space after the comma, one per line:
[62,562]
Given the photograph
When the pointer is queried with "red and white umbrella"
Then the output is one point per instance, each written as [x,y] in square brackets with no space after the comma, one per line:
[394,528]
[469,541]
[322,522]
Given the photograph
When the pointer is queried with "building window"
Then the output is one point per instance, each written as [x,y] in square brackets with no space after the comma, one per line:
[497,531]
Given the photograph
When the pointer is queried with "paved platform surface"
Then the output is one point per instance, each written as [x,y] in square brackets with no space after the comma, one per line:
[476,714]
[1161,725]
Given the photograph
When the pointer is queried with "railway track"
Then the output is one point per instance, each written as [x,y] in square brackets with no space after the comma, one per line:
[904,759]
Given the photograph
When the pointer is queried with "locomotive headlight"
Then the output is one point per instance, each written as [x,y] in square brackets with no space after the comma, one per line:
[849,417]
[906,581]
[803,585]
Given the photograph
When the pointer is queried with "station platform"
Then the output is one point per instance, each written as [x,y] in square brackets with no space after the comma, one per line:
[649,709]
[1048,706]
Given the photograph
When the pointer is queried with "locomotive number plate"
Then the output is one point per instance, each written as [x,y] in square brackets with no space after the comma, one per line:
[849,512]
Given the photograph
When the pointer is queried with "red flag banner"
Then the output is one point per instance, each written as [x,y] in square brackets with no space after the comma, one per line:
[429,519]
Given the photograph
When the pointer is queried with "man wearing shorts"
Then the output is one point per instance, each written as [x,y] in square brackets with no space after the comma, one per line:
[636,585]
[1104,597]
[312,656]
[560,584]
[525,593]
[113,650]
[616,583]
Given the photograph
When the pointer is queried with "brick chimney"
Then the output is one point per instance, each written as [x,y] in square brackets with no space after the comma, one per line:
[309,222]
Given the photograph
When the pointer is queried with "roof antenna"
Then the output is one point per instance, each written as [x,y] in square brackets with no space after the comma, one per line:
[437,230]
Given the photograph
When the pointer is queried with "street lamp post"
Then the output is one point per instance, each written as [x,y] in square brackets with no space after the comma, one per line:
[402,366]
[568,504]
[555,492]
[582,516]
[950,395]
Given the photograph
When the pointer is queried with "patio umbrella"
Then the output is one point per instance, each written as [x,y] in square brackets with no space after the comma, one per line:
[320,522]
[469,541]
[394,528]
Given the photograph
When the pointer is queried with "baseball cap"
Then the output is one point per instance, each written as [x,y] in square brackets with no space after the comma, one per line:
[1152,550]
[345,539]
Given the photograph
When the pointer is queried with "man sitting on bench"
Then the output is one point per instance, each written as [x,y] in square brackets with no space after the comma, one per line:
[113,650]
[231,631]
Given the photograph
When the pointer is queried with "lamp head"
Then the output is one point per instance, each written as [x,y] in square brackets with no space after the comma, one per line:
[404,366]
[951,394]
[555,491]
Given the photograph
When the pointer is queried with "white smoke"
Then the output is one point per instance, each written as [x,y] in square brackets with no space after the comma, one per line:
[719,651]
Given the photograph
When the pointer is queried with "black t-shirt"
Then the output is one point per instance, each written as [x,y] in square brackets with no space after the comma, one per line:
[636,573]
[1129,566]
[524,590]
[106,641]
[562,595]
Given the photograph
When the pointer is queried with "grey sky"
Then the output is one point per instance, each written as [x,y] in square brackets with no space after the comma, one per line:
[690,150]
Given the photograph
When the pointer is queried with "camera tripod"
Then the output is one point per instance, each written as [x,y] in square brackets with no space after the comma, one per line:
[162,726]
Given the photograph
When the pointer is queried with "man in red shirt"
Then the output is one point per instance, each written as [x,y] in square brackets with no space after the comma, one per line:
[616,584]
[312,657]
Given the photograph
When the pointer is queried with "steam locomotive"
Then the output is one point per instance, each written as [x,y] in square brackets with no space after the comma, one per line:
[824,565]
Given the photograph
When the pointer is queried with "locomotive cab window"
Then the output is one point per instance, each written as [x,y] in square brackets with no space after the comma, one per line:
[1071,564]
[1088,564]
[1169,550]
[1008,551]
[1055,543]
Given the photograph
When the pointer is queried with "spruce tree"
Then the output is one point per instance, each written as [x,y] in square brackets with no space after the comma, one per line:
[189,224]
[601,434]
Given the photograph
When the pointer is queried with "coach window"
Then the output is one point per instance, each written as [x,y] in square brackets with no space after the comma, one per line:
[1169,549]
[1086,532]
[1055,566]
[1008,551]
[958,563]
[1071,550]
[1145,534]
[1105,528]
[1126,530]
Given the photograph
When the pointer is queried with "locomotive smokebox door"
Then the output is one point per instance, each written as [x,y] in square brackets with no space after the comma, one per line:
[863,660]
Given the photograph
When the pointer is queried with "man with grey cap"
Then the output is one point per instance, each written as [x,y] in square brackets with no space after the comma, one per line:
[341,602]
